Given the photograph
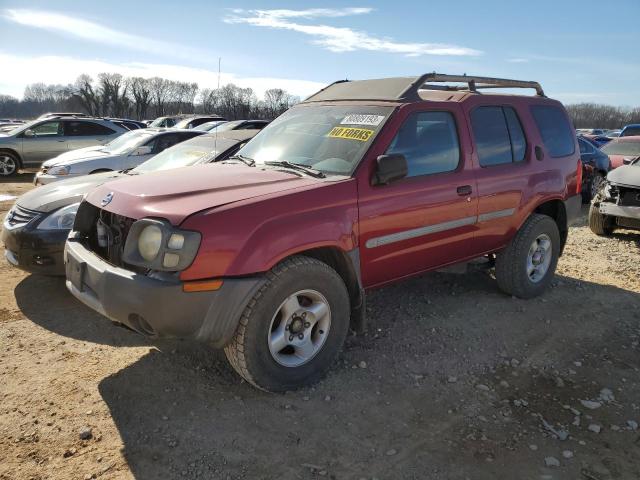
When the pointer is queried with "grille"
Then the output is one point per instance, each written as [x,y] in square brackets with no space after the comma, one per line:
[630,198]
[20,216]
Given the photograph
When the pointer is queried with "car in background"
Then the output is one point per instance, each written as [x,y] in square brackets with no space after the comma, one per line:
[613,133]
[194,121]
[128,123]
[38,224]
[598,140]
[166,121]
[62,114]
[595,165]
[617,204]
[219,126]
[590,131]
[33,143]
[208,126]
[630,130]
[622,150]
[127,151]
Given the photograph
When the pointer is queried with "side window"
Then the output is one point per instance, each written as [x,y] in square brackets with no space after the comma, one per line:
[86,129]
[163,142]
[47,129]
[556,132]
[498,135]
[429,142]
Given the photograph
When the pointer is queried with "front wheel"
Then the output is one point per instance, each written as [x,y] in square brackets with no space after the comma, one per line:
[596,183]
[8,164]
[525,268]
[600,224]
[293,328]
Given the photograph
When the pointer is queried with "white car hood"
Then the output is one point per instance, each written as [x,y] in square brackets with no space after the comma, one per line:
[87,153]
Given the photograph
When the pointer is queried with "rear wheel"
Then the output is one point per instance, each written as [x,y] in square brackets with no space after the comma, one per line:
[596,184]
[600,224]
[525,268]
[8,164]
[293,327]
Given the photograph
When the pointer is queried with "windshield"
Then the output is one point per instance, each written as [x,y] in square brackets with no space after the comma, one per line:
[622,148]
[126,142]
[181,155]
[226,126]
[22,127]
[329,138]
[205,127]
[163,122]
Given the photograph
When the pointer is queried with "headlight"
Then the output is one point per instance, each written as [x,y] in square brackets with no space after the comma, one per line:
[150,242]
[157,245]
[61,219]
[59,170]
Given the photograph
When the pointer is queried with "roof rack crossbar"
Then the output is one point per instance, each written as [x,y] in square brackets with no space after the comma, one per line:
[474,83]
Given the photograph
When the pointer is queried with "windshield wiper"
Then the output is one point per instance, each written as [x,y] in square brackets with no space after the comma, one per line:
[296,166]
[246,160]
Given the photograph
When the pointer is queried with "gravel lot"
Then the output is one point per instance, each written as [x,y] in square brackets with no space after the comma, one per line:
[453,380]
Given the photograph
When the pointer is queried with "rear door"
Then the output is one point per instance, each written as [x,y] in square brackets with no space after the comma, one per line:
[80,134]
[47,142]
[426,219]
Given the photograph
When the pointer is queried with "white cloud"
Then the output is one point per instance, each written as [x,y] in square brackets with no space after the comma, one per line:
[340,39]
[63,70]
[94,32]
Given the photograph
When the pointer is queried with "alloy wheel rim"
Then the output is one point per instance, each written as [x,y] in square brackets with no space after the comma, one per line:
[299,328]
[539,258]
[7,165]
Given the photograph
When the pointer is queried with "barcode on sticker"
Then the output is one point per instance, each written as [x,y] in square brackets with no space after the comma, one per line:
[362,119]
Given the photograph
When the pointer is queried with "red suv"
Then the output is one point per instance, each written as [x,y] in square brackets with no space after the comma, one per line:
[269,254]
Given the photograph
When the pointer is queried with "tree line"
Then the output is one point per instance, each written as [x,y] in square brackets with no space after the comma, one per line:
[112,95]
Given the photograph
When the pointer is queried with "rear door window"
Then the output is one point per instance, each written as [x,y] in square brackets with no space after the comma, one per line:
[498,135]
[429,142]
[556,132]
[86,129]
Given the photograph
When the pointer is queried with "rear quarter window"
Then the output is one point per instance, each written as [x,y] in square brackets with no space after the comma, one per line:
[556,132]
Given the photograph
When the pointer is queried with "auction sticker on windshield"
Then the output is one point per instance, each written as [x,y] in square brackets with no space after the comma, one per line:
[361,134]
[362,119]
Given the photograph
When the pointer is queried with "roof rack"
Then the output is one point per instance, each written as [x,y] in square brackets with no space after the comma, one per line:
[406,89]
[474,83]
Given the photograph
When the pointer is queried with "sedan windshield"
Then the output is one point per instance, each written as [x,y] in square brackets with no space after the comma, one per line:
[328,138]
[209,126]
[181,155]
[127,141]
[622,148]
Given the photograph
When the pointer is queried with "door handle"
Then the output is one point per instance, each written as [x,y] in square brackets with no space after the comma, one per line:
[464,190]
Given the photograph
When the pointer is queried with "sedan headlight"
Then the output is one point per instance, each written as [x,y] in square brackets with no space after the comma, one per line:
[59,170]
[61,219]
[158,245]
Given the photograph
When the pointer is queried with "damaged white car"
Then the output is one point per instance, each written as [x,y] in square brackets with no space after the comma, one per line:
[617,204]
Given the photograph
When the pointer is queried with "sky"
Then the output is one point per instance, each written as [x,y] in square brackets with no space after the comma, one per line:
[580,51]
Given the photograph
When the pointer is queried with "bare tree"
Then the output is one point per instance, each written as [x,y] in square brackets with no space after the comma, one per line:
[140,90]
[86,94]
[159,93]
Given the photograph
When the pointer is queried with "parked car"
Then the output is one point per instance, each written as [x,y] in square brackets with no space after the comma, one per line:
[38,224]
[598,140]
[62,114]
[166,122]
[31,144]
[631,130]
[191,122]
[591,131]
[127,151]
[128,123]
[617,205]
[622,150]
[613,133]
[222,126]
[362,184]
[595,165]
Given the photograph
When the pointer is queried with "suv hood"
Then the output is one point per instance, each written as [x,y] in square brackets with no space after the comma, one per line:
[176,194]
[628,175]
[86,153]
[65,192]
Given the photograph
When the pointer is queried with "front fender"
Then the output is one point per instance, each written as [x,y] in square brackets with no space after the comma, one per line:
[249,237]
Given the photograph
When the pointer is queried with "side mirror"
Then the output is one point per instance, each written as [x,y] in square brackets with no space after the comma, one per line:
[29,133]
[390,168]
[143,150]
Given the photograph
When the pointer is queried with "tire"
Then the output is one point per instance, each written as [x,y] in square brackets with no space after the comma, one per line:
[517,272]
[595,185]
[9,164]
[307,283]
[599,224]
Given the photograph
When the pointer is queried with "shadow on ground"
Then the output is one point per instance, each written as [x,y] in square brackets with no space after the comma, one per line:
[185,414]
[46,302]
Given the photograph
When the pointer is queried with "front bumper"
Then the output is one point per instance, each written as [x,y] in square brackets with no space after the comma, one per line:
[154,307]
[614,210]
[33,250]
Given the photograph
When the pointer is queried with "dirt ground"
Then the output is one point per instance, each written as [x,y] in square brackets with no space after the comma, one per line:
[453,380]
